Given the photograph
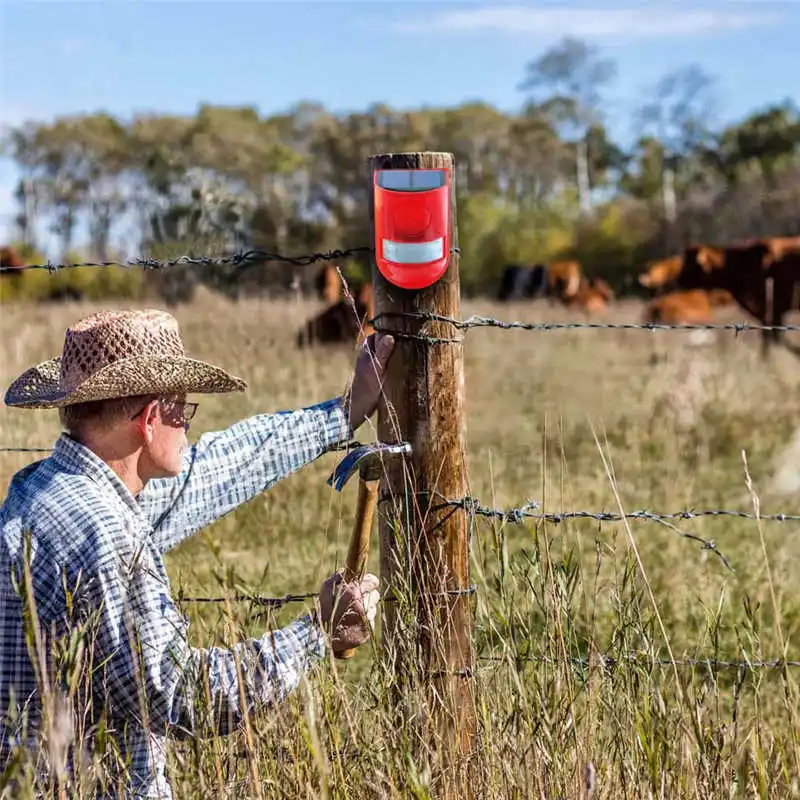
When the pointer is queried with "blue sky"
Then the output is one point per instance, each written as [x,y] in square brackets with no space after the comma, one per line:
[60,57]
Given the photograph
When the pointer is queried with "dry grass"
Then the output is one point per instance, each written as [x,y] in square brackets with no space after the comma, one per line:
[553,416]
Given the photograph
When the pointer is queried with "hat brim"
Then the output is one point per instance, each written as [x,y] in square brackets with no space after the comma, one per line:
[38,387]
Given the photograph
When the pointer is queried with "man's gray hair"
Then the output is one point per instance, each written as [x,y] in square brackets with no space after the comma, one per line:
[101,413]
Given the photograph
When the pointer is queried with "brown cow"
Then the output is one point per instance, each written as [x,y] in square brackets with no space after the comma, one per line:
[558,279]
[662,272]
[10,258]
[340,323]
[593,294]
[328,284]
[763,277]
[690,307]
[563,279]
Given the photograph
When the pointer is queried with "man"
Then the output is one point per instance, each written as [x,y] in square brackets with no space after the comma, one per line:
[83,531]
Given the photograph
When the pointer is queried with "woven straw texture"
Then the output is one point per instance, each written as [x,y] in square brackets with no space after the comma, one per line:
[119,354]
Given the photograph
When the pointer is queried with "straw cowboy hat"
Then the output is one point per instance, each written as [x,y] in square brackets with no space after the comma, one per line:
[118,354]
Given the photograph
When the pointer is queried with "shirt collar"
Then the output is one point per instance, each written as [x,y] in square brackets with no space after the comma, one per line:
[73,456]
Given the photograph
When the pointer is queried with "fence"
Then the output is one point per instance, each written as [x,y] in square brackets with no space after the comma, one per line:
[408,322]
[514,515]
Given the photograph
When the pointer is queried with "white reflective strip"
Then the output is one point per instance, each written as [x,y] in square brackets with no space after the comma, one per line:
[413,252]
[411,180]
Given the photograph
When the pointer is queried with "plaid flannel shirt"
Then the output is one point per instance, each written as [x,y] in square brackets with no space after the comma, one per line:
[94,546]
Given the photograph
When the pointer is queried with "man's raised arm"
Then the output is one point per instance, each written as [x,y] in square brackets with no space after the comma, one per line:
[227,468]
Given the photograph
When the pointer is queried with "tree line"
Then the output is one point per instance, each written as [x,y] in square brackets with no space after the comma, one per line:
[547,182]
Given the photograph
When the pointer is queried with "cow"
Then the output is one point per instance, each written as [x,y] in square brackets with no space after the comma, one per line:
[10,258]
[340,323]
[763,277]
[689,307]
[328,284]
[558,279]
[563,279]
[593,294]
[662,272]
[520,282]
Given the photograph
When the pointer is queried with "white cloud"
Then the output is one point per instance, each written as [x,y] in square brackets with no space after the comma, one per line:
[629,23]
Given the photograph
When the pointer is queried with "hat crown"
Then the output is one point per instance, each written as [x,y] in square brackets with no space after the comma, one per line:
[108,336]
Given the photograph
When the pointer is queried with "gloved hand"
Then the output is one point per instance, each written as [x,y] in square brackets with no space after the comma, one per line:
[347,610]
[364,394]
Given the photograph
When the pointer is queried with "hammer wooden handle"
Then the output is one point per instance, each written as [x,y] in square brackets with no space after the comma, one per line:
[359,541]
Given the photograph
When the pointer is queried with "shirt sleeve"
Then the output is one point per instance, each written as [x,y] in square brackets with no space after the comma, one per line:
[227,468]
[151,677]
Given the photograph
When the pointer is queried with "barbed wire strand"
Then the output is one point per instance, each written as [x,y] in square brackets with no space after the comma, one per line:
[478,321]
[602,660]
[335,447]
[298,598]
[644,660]
[526,511]
[235,259]
[26,449]
[249,257]
[518,515]
[259,600]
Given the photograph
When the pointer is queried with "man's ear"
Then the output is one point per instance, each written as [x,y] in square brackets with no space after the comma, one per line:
[145,422]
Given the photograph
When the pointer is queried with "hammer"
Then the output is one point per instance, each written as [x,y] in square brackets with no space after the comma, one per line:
[368,459]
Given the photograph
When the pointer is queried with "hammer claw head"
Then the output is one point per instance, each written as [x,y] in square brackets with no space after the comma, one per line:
[362,457]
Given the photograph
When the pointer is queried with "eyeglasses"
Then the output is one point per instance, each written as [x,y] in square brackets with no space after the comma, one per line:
[189,409]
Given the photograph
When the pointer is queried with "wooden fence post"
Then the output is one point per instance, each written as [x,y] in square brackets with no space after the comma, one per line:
[425,542]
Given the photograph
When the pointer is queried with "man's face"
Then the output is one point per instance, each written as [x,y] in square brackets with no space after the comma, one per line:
[166,436]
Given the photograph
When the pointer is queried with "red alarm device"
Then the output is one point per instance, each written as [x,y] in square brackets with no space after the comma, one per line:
[412,225]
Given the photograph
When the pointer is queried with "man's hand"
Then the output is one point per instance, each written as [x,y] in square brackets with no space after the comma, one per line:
[365,391]
[347,610]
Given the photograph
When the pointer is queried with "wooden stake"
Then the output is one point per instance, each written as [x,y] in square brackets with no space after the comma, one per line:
[429,555]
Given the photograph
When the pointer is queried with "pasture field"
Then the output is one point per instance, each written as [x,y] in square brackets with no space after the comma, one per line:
[578,420]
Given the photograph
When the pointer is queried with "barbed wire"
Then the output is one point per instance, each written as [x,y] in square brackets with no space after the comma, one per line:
[26,449]
[478,321]
[236,259]
[335,447]
[645,660]
[250,257]
[279,602]
[606,661]
[518,515]
[259,600]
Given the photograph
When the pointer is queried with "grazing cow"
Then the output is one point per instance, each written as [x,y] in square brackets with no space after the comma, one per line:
[662,272]
[328,284]
[593,295]
[763,277]
[340,323]
[10,258]
[559,279]
[690,307]
[563,279]
[520,282]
